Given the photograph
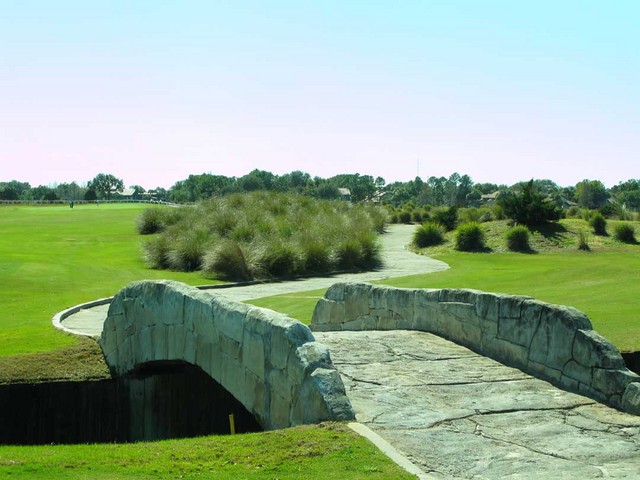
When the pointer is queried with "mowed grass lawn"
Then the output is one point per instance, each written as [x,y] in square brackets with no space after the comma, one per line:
[54,257]
[603,283]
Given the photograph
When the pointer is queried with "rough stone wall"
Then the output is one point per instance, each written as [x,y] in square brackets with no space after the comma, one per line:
[268,361]
[553,342]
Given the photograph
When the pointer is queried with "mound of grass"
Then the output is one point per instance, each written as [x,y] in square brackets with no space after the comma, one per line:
[624,232]
[267,235]
[518,239]
[470,238]
[599,224]
[428,234]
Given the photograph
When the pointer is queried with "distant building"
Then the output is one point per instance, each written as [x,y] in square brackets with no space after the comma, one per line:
[345,194]
[489,198]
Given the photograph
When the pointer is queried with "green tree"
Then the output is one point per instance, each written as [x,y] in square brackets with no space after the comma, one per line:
[529,206]
[591,194]
[105,184]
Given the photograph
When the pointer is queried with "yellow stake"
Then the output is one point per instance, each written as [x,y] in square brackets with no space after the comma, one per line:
[232,424]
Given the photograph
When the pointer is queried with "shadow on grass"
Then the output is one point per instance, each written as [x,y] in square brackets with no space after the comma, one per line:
[550,231]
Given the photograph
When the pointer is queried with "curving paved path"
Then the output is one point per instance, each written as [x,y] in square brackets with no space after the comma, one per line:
[397,262]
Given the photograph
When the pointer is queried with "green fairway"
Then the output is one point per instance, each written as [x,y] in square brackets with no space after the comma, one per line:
[54,257]
[602,284]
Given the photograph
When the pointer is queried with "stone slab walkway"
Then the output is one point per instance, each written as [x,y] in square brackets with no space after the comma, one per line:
[457,414]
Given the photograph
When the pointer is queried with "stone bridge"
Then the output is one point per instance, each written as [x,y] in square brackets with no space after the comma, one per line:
[266,360]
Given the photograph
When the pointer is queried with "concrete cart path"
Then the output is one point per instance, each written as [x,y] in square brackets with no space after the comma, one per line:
[397,262]
[459,415]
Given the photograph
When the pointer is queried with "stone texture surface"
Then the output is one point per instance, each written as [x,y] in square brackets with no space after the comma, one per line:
[552,342]
[460,415]
[268,361]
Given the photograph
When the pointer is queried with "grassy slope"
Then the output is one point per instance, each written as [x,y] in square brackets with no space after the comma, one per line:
[54,257]
[603,283]
[329,451]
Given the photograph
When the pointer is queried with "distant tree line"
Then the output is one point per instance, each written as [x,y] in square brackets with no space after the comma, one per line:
[455,191]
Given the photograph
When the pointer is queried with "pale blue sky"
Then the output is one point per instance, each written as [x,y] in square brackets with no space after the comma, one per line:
[152,91]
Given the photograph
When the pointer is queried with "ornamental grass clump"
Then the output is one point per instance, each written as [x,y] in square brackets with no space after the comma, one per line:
[266,235]
[624,232]
[599,224]
[428,234]
[469,237]
[518,239]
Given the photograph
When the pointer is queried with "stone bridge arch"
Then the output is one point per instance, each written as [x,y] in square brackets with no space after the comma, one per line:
[266,360]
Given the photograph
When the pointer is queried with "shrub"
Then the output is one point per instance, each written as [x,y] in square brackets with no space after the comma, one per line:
[404,216]
[529,207]
[447,217]
[428,234]
[518,239]
[316,257]
[599,224]
[416,216]
[625,232]
[279,260]
[155,252]
[228,261]
[157,219]
[349,254]
[470,237]
[573,212]
[471,214]
[265,235]
[583,241]
[187,251]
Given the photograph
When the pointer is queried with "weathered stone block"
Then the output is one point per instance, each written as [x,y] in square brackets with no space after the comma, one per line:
[593,350]
[254,393]
[401,301]
[631,398]
[356,302]
[230,347]
[232,375]
[505,352]
[487,305]
[544,371]
[578,372]
[203,354]
[189,352]
[510,306]
[611,382]
[253,357]
[553,341]
[200,314]
[160,342]
[328,313]
[143,346]
[520,329]
[324,392]
[458,295]
[279,411]
[228,317]
[173,306]
[335,292]
[569,383]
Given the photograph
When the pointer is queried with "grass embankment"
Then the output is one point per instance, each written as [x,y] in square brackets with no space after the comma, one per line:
[603,282]
[55,257]
[330,451]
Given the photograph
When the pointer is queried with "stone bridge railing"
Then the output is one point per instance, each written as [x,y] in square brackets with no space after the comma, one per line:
[553,342]
[266,360]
